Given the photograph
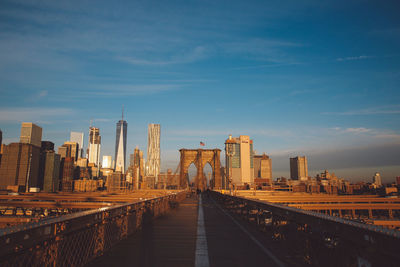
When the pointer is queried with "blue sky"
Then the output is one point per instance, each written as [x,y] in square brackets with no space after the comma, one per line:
[315,78]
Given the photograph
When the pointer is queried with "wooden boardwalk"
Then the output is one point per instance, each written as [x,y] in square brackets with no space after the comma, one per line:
[171,241]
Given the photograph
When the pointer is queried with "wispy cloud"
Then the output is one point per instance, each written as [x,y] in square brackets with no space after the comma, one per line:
[353,58]
[195,54]
[262,49]
[357,130]
[42,115]
[389,109]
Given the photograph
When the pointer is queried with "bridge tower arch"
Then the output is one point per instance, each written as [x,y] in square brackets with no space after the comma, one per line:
[200,157]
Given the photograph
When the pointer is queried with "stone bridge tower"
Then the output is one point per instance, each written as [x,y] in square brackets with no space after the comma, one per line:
[200,157]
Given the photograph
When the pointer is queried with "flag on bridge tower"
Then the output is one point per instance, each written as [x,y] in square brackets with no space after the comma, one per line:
[202,144]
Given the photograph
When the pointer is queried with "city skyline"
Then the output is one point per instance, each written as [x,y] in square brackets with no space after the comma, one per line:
[299,78]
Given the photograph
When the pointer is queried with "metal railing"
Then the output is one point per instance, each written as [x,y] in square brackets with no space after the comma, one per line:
[317,239]
[76,239]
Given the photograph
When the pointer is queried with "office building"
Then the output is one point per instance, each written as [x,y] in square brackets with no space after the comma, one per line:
[239,160]
[77,137]
[49,168]
[377,179]
[82,162]
[120,145]
[94,146]
[51,171]
[136,167]
[72,150]
[20,165]
[153,151]
[298,168]
[106,163]
[262,167]
[31,134]
[67,174]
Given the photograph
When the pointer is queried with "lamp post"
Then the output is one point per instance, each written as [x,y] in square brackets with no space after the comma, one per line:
[230,152]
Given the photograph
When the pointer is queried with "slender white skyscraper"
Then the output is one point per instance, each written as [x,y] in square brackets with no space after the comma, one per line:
[120,144]
[153,151]
[94,146]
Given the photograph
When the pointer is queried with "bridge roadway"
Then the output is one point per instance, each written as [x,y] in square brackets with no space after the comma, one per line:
[198,233]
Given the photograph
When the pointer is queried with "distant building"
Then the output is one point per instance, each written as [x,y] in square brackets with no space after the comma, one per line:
[136,168]
[62,151]
[51,172]
[398,180]
[20,165]
[31,134]
[77,137]
[82,162]
[94,146]
[240,159]
[153,151]
[262,167]
[67,176]
[113,182]
[169,180]
[106,163]
[49,168]
[298,168]
[73,150]
[377,180]
[120,145]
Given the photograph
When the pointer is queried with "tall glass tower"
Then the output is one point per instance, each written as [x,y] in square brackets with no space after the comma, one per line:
[120,144]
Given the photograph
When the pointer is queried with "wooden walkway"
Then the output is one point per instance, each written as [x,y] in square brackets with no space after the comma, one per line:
[171,241]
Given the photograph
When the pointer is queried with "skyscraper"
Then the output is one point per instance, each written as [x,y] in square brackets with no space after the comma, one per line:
[106,164]
[298,168]
[136,167]
[377,180]
[94,146]
[239,159]
[78,138]
[31,134]
[120,145]
[153,151]
[262,167]
[20,165]
[73,150]
[49,168]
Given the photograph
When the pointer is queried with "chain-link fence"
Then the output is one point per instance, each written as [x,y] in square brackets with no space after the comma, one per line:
[75,239]
[317,239]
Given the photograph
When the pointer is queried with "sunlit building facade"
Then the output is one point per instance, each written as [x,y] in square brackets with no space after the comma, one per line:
[94,146]
[239,160]
[153,151]
[31,134]
[298,168]
[77,137]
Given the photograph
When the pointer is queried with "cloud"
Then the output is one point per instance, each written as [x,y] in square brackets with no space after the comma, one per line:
[10,115]
[357,130]
[261,49]
[389,109]
[195,54]
[353,58]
